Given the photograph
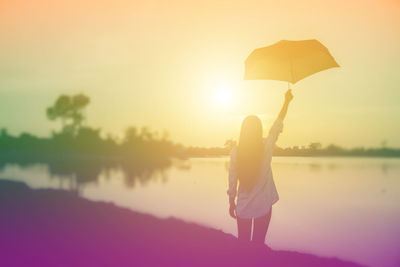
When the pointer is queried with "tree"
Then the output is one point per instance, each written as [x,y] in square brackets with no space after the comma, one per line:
[69,109]
[60,109]
[314,146]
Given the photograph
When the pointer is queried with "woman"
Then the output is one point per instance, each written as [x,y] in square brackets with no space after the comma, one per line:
[250,164]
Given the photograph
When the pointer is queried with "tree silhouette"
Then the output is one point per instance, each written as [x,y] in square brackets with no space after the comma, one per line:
[69,109]
[315,146]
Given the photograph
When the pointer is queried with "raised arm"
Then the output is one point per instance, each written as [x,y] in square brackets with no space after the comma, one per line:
[288,99]
[277,126]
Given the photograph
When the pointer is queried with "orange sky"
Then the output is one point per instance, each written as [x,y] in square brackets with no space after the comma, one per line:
[163,63]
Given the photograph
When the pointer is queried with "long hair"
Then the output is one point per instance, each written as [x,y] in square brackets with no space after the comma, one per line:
[249,152]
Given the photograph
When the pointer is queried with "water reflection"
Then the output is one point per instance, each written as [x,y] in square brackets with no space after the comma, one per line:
[75,174]
[325,203]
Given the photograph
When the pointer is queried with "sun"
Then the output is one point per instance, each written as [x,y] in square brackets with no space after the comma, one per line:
[223,96]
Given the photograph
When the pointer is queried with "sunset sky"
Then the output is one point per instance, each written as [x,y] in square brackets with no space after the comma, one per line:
[179,65]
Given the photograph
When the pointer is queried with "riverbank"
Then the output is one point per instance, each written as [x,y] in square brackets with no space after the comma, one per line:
[58,228]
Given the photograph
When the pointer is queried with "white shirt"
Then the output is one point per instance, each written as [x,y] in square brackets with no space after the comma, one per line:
[263,195]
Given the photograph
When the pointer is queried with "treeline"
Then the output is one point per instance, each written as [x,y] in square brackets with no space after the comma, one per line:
[335,151]
[139,145]
[75,141]
[143,145]
[313,150]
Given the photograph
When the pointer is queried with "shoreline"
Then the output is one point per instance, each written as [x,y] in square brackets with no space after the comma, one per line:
[48,227]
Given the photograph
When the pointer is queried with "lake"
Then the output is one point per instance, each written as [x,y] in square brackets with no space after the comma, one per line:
[347,208]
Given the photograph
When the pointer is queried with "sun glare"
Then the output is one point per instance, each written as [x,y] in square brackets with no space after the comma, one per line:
[223,96]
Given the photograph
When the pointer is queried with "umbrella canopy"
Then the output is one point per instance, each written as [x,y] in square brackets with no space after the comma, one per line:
[288,61]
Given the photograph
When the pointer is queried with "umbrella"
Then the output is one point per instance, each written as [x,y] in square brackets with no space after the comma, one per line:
[288,61]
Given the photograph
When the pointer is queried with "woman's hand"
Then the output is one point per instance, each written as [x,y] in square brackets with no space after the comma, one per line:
[288,95]
[232,210]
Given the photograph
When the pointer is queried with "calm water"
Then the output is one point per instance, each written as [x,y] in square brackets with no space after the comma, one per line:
[334,207]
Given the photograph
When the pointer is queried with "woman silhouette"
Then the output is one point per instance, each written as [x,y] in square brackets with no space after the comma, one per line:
[250,164]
